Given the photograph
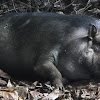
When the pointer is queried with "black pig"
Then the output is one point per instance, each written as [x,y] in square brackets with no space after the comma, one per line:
[50,46]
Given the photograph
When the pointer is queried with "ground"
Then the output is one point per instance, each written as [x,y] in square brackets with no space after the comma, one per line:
[21,90]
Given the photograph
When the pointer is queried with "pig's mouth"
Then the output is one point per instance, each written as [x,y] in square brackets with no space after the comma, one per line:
[93,57]
[89,58]
[90,55]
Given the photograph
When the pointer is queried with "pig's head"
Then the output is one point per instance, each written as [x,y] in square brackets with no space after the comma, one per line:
[93,50]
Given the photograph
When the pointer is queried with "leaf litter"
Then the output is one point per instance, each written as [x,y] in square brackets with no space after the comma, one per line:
[45,91]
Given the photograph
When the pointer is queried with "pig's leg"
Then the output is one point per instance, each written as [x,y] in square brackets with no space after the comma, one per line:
[46,69]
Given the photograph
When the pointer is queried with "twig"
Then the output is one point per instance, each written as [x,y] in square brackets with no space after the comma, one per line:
[29,3]
[25,4]
[69,5]
[11,10]
[5,3]
[14,6]
[83,9]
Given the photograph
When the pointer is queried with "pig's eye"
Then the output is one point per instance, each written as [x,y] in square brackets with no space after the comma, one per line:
[92,32]
[95,49]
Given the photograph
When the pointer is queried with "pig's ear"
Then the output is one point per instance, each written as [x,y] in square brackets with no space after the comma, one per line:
[92,31]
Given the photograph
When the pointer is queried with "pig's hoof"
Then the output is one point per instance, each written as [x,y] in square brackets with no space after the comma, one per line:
[59,85]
